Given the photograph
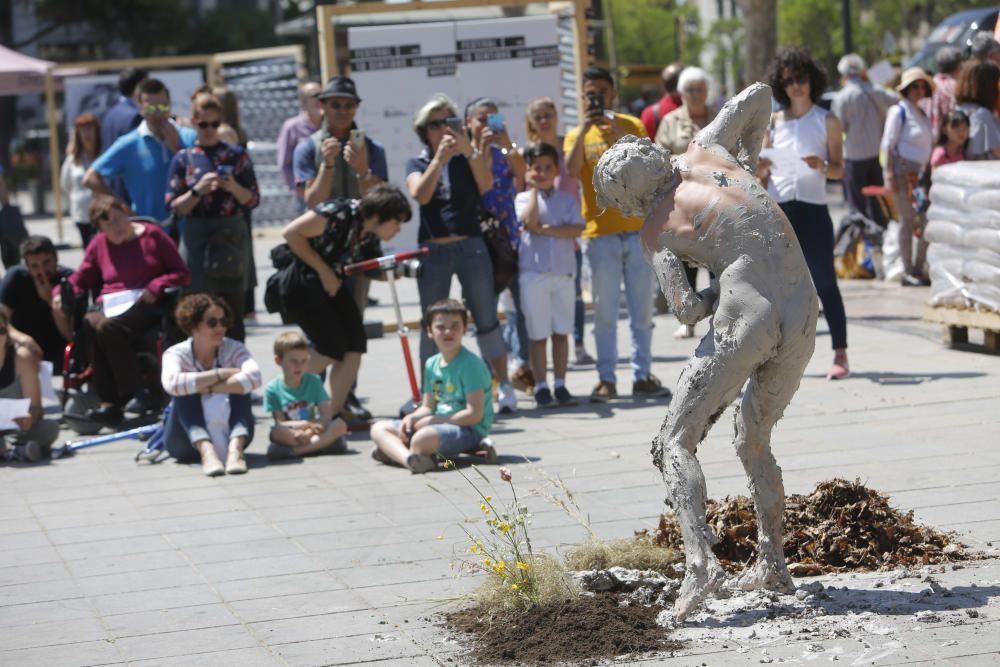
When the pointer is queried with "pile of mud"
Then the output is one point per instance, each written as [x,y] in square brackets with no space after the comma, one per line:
[841,526]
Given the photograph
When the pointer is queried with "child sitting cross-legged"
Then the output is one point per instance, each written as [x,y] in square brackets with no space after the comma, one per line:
[455,414]
[550,221]
[302,411]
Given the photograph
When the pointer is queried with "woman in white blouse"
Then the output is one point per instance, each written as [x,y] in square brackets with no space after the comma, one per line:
[907,142]
[210,377]
[84,147]
[807,140]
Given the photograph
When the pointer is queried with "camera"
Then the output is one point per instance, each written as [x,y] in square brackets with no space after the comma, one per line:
[595,103]
[455,124]
[410,268]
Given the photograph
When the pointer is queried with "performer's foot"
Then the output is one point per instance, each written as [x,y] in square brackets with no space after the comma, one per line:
[765,574]
[700,581]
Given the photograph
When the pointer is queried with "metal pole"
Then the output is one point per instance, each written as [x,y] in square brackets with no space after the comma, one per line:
[848,38]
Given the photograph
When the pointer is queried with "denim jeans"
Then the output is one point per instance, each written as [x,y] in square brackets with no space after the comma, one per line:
[613,257]
[470,261]
[187,424]
[515,332]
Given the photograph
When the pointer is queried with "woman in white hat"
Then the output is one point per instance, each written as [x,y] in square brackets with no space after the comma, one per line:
[907,141]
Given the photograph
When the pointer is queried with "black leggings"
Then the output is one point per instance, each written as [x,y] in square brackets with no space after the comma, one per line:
[814,229]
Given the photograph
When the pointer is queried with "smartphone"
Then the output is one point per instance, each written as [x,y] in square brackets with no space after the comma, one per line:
[224,170]
[595,103]
[455,124]
[495,122]
[358,138]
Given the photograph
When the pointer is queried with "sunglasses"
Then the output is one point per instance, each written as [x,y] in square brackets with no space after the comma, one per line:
[204,124]
[801,79]
[440,123]
[213,322]
[342,106]
[156,108]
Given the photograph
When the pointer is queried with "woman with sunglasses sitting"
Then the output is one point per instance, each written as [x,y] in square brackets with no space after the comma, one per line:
[212,184]
[810,137]
[130,261]
[210,377]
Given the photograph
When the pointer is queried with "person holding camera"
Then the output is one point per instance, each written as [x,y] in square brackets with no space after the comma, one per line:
[613,247]
[449,179]
[212,184]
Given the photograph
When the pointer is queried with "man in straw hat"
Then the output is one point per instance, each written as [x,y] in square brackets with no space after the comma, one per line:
[706,207]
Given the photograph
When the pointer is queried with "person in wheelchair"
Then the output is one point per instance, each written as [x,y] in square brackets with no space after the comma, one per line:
[134,263]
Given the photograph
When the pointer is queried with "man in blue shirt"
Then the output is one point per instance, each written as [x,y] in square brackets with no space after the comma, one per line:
[122,118]
[141,157]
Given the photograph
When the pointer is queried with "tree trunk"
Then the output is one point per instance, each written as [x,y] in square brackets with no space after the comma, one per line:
[760,37]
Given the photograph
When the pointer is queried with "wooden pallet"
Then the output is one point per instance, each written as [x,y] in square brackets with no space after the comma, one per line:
[958,321]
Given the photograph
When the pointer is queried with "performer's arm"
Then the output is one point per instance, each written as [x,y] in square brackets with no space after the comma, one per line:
[740,126]
[689,306]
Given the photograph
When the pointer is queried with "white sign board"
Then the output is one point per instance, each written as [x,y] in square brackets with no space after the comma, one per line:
[397,68]
[96,94]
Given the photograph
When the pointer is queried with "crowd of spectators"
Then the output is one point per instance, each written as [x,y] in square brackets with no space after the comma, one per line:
[163,206]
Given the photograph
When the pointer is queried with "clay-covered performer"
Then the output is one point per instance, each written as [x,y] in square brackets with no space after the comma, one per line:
[707,208]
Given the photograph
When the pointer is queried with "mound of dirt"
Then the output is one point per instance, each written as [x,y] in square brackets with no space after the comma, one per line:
[840,526]
[584,630]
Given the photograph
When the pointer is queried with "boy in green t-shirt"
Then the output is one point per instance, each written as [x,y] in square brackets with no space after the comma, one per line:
[302,411]
[456,413]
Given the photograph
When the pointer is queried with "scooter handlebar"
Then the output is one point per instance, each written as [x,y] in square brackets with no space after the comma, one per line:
[384,263]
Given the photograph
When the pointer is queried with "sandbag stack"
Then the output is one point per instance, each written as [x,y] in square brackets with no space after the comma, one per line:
[963,230]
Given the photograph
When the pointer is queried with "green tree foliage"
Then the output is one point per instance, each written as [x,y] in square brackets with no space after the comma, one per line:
[818,25]
[646,31]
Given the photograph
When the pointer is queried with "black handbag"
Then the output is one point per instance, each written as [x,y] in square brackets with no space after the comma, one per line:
[502,253]
[224,258]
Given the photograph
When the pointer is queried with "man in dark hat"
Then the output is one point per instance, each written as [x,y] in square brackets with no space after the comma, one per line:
[339,161]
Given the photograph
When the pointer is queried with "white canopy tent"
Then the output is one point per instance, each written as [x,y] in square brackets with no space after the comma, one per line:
[20,74]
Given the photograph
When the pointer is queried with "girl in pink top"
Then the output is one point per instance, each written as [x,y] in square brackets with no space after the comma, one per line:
[953,138]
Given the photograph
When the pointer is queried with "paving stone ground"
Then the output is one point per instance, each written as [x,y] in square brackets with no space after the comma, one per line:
[336,560]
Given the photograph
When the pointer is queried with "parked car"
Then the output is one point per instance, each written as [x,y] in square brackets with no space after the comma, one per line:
[956,30]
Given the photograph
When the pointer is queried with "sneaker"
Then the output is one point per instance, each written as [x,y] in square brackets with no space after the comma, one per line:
[29,452]
[420,463]
[236,463]
[523,379]
[211,466]
[354,411]
[913,280]
[564,397]
[379,456]
[603,392]
[488,450]
[543,398]
[506,400]
[684,331]
[582,358]
[277,452]
[338,446]
[650,387]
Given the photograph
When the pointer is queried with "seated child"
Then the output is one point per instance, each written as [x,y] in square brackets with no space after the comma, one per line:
[550,221]
[455,414]
[302,411]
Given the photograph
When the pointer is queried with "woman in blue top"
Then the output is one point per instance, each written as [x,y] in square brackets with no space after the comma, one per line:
[212,184]
[448,179]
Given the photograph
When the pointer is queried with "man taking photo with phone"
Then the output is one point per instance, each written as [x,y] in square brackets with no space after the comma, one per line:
[338,161]
[613,247]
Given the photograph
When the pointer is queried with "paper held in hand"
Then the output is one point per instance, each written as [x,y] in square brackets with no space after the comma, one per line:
[116,303]
[786,162]
[11,409]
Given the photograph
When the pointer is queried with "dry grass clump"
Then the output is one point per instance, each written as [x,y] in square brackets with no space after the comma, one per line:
[636,553]
[497,602]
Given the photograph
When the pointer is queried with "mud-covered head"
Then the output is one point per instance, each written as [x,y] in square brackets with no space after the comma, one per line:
[633,175]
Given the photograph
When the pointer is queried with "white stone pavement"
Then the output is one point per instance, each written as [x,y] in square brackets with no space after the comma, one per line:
[336,560]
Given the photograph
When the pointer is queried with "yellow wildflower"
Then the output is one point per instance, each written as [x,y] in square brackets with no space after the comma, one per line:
[522,566]
[489,498]
[487,562]
[504,527]
[500,567]
[474,549]
[515,587]
[440,537]
[484,508]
